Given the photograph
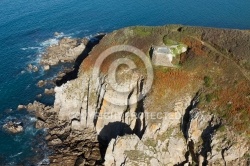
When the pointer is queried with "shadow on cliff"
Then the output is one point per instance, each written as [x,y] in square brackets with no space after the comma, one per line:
[110,131]
[73,74]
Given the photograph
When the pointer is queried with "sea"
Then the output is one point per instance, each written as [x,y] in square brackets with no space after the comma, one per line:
[27,28]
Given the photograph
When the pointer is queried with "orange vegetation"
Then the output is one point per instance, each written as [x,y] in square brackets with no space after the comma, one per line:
[168,84]
[173,79]
[194,45]
[237,105]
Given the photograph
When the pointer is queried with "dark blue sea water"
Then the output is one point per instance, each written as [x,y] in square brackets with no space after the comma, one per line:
[27,28]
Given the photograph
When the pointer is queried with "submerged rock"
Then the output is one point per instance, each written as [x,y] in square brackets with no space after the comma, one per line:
[32,68]
[39,95]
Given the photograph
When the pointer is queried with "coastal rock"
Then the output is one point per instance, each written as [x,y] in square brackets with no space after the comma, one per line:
[41,83]
[32,68]
[35,106]
[69,145]
[49,91]
[45,114]
[13,127]
[57,34]
[39,95]
[21,107]
[83,146]
[46,67]
[67,50]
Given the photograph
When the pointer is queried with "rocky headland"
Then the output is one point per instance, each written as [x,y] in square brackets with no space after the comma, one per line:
[196,112]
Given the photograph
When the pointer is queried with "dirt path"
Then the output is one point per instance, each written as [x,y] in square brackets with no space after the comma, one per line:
[225,56]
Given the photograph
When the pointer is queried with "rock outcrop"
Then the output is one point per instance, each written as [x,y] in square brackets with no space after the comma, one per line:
[32,68]
[69,146]
[205,145]
[13,127]
[67,50]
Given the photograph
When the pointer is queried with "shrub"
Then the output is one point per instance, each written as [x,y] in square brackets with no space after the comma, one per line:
[207,81]
[209,98]
[168,41]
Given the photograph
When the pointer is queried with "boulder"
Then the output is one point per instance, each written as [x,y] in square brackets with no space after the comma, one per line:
[39,95]
[32,68]
[41,83]
[46,67]
[49,91]
[21,107]
[58,34]
[13,127]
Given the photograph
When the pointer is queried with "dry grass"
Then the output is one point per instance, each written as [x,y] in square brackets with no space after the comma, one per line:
[236,104]
[168,85]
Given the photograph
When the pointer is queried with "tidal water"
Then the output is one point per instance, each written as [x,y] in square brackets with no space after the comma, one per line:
[27,27]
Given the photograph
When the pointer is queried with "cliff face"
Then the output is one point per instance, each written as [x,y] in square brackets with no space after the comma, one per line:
[194,113]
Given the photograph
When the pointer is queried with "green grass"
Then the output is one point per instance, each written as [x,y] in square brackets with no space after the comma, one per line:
[168,41]
[222,128]
[142,31]
[209,97]
[207,81]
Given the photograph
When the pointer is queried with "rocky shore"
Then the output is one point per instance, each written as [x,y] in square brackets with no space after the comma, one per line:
[67,50]
[69,147]
[199,101]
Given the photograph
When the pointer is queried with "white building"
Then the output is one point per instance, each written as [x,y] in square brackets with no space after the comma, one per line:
[163,55]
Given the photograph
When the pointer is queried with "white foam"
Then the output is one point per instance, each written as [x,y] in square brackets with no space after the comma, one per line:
[44,162]
[28,86]
[32,119]
[54,40]
[16,155]
[59,35]
[31,48]
[30,130]
[50,42]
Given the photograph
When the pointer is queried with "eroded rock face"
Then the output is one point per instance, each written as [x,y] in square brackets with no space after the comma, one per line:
[70,147]
[73,147]
[209,144]
[202,143]
[91,109]
[162,143]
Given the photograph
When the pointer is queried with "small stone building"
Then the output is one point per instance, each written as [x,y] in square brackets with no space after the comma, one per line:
[162,56]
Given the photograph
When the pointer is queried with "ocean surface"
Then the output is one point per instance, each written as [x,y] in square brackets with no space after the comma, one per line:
[27,27]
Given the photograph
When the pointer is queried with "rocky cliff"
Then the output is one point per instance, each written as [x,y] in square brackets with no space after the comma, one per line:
[124,110]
